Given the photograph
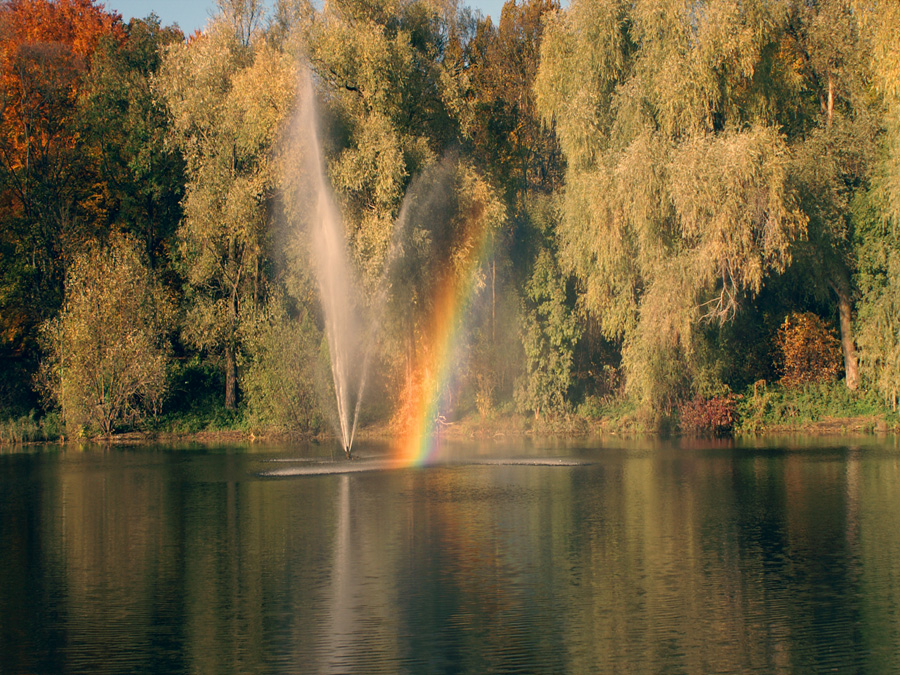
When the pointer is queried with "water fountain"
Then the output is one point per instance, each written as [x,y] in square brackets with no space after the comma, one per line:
[334,273]
[352,333]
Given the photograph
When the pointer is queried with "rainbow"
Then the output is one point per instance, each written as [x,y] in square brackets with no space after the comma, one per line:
[420,440]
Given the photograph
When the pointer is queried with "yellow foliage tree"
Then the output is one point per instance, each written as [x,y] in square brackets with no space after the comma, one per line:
[677,202]
[229,92]
[106,353]
[808,350]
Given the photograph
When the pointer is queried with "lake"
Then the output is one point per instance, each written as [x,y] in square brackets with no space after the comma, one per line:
[532,557]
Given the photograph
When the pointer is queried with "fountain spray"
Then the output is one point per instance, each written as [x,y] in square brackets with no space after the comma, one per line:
[333,271]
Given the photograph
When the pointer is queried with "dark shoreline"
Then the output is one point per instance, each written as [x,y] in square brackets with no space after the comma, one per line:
[499,430]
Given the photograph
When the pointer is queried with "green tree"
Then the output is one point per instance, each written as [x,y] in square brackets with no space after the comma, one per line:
[877,248]
[284,371]
[123,126]
[835,154]
[549,335]
[106,353]
[228,92]
[678,200]
[879,18]
[46,201]
[379,64]
[877,212]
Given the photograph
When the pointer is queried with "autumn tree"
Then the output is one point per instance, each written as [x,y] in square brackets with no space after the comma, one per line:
[677,201]
[402,84]
[493,92]
[489,72]
[123,126]
[824,48]
[45,204]
[228,93]
[106,353]
[807,350]
[877,211]
[378,66]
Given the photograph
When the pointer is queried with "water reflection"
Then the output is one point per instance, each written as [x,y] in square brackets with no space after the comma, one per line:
[632,559]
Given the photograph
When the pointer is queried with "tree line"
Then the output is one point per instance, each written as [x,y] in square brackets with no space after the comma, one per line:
[682,199]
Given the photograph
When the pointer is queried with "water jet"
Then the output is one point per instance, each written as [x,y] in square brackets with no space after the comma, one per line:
[314,202]
[445,197]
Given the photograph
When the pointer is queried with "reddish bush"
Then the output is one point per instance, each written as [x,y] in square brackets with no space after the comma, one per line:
[808,350]
[709,416]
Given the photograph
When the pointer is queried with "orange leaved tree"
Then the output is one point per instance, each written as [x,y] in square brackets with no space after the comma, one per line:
[45,49]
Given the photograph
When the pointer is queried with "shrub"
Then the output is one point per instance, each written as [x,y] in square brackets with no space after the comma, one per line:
[549,336]
[709,416]
[764,408]
[808,350]
[106,353]
[283,374]
[28,428]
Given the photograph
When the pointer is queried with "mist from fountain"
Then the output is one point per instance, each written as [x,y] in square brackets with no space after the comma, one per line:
[334,273]
[352,333]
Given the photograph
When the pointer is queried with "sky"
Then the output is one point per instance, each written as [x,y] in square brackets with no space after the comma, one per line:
[193,14]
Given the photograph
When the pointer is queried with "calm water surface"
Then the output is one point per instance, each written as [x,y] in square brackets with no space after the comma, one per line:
[567,559]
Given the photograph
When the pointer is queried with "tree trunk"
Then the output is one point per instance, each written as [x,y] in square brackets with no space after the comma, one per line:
[493,300]
[230,383]
[230,386]
[851,364]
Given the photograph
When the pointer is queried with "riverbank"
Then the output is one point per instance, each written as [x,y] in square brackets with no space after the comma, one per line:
[814,410]
[473,428]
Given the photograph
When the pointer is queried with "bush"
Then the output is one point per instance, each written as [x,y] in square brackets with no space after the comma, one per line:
[808,350]
[766,407]
[549,336]
[194,402]
[485,394]
[106,354]
[283,372]
[28,428]
[709,416]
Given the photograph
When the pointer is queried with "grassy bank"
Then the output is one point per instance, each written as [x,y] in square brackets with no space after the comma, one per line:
[759,410]
[31,429]
[815,409]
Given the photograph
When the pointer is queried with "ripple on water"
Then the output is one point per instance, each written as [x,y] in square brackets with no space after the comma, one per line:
[315,467]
